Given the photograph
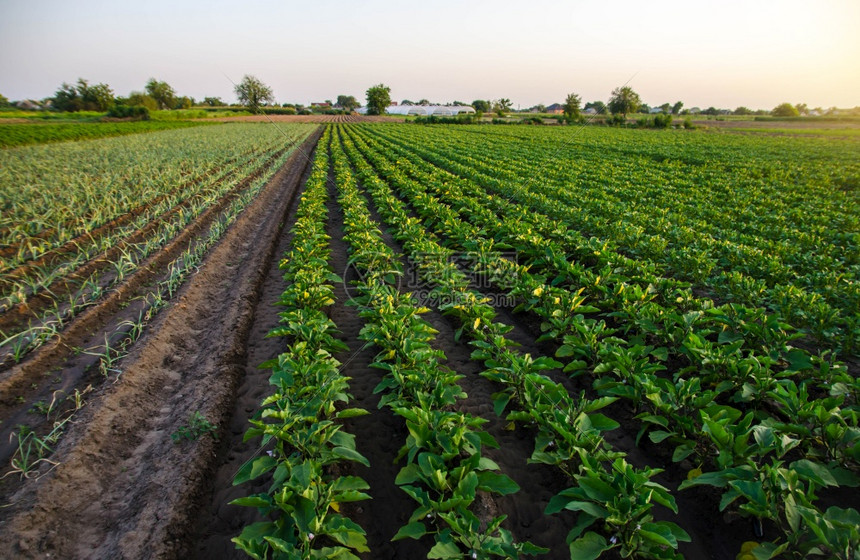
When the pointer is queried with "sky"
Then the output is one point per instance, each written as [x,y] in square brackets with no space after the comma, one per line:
[755,53]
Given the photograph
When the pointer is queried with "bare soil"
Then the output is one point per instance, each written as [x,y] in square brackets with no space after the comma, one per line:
[308,118]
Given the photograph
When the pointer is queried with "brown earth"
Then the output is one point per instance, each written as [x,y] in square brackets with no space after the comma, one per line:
[308,118]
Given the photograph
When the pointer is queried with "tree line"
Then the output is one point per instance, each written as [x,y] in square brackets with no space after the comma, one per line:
[254,94]
[156,95]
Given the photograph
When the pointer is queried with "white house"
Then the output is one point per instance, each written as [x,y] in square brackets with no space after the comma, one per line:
[423,110]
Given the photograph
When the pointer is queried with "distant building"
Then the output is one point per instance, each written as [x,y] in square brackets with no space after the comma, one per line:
[322,105]
[423,110]
[555,109]
[28,105]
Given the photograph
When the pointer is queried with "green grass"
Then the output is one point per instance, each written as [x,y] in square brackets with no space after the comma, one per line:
[38,133]
[182,114]
[36,116]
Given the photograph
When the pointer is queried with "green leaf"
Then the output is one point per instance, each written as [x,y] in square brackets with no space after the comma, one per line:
[489,481]
[583,522]
[588,547]
[602,422]
[500,402]
[346,532]
[815,472]
[255,468]
[658,435]
[656,538]
[444,550]
[751,489]
[575,365]
[798,360]
[717,479]
[333,553]
[596,489]
[303,513]
[768,550]
[590,508]
[351,413]
[414,530]
[280,545]
[344,483]
[682,452]
[350,455]
[727,337]
[262,501]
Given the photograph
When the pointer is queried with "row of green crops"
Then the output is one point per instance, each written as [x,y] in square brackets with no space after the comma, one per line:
[68,273]
[54,193]
[299,423]
[445,466]
[768,424]
[765,222]
[33,447]
[38,133]
[568,429]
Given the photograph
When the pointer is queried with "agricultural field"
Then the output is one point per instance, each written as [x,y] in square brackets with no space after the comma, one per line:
[19,135]
[386,340]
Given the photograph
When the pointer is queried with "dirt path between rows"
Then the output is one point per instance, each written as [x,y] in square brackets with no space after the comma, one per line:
[123,489]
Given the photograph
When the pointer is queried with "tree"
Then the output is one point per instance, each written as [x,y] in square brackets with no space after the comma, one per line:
[140,99]
[502,106]
[742,111]
[4,101]
[802,109]
[378,99]
[785,110]
[666,108]
[164,95]
[676,108]
[83,97]
[183,102]
[481,105]
[67,99]
[598,106]
[407,102]
[253,93]
[213,102]
[347,102]
[423,102]
[571,107]
[644,108]
[623,101]
[99,97]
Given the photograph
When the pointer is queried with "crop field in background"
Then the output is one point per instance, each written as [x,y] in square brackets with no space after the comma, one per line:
[467,341]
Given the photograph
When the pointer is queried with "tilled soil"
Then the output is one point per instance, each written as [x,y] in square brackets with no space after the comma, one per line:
[308,118]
